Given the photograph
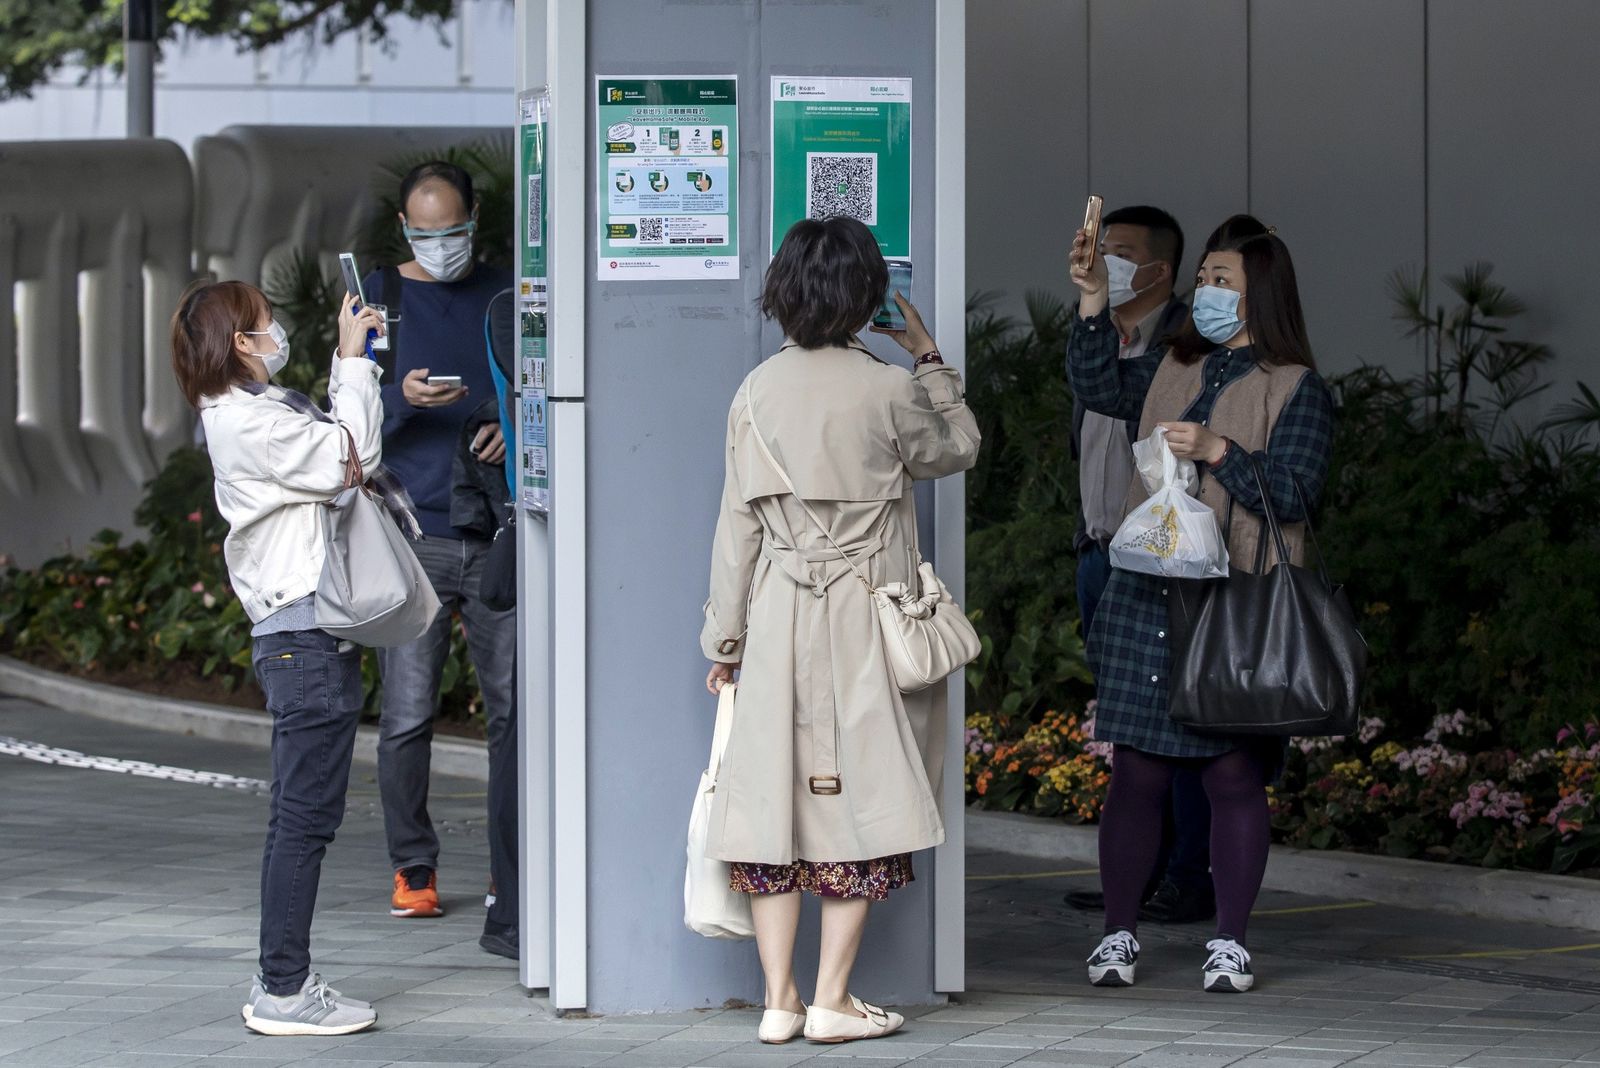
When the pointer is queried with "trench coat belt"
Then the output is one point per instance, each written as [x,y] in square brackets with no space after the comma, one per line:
[808,568]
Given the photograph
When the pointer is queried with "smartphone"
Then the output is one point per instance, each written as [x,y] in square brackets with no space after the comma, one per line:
[453,381]
[1091,227]
[889,316]
[352,284]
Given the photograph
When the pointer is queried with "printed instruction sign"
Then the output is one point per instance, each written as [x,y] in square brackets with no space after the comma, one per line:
[842,146]
[533,118]
[668,173]
[533,435]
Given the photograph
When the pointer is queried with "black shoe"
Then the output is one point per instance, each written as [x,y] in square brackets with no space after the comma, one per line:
[1172,904]
[501,939]
[1086,900]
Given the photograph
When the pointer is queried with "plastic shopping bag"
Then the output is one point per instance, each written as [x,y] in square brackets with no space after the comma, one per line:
[711,907]
[1171,534]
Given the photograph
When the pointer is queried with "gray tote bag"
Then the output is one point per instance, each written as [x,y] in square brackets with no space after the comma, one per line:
[372,591]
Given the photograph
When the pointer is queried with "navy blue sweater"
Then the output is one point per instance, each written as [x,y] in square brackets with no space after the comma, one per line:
[441,328]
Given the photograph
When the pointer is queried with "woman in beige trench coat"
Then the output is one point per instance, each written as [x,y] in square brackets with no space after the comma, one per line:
[831,776]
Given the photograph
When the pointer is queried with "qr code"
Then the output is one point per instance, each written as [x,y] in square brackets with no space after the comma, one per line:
[842,184]
[535,210]
[650,231]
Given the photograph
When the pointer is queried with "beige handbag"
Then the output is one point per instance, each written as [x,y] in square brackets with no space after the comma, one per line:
[926,635]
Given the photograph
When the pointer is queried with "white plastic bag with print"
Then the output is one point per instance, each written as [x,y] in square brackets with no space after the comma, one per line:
[1171,534]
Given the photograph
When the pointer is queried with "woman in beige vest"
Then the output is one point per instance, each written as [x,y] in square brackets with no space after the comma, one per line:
[831,776]
[1236,384]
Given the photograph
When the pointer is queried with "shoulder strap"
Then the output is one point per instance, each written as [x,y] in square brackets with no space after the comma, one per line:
[761,441]
[389,358]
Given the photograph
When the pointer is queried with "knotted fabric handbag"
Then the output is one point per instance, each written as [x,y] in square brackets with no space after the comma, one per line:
[372,590]
[926,635]
[1271,652]
[711,907]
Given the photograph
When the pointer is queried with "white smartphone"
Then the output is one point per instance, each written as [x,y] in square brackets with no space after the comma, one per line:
[453,381]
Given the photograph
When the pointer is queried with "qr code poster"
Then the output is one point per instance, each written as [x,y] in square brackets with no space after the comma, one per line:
[842,147]
[533,116]
[842,183]
[666,152]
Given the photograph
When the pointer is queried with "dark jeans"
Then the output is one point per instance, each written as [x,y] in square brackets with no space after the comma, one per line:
[1186,834]
[313,686]
[411,698]
[503,868]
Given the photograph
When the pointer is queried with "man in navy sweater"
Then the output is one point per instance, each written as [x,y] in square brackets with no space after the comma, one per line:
[443,296]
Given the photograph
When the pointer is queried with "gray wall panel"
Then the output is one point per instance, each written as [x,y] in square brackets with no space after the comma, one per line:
[1027,125]
[663,361]
[1167,107]
[1511,172]
[1336,161]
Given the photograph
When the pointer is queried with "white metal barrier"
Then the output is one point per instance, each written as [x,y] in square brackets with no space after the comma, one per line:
[97,241]
[266,192]
[94,251]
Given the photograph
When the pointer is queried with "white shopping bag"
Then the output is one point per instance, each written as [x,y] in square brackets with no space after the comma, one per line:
[1171,534]
[710,906]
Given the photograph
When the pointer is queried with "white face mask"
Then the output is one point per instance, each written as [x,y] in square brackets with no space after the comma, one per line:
[444,254]
[274,360]
[1119,275]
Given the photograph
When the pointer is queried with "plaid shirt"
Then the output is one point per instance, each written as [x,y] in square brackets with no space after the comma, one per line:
[1128,647]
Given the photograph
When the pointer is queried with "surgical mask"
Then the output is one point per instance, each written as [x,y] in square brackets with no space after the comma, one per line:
[1216,313]
[273,360]
[444,254]
[1119,273]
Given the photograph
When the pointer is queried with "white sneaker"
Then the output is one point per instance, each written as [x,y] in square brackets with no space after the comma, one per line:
[1228,967]
[779,1026]
[1115,961]
[258,991]
[313,1011]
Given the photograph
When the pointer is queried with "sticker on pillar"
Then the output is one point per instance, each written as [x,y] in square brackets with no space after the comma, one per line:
[533,431]
[533,118]
[667,178]
[842,146]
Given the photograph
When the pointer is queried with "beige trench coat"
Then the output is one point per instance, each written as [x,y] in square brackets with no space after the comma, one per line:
[815,697]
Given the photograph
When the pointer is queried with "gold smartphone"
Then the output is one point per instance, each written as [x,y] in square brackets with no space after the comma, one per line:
[1091,227]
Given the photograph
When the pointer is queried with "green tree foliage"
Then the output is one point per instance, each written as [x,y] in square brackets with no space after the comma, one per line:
[39,38]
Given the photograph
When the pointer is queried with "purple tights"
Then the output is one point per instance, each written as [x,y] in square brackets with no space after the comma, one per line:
[1130,834]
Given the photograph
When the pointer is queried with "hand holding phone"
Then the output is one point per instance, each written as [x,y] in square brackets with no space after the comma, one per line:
[1087,252]
[376,339]
[419,389]
[889,316]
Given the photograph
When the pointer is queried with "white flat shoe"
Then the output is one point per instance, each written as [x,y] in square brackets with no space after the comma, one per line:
[825,1025]
[778,1026]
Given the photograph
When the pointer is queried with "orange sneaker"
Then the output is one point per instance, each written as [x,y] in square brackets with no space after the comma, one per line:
[416,893]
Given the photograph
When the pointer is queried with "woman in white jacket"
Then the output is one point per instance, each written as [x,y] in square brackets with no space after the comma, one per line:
[276,461]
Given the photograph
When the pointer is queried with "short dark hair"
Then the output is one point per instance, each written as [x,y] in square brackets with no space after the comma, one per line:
[203,354]
[1166,236]
[827,280]
[1277,322]
[437,170]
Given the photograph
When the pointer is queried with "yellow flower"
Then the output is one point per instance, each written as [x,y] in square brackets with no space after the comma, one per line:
[1386,752]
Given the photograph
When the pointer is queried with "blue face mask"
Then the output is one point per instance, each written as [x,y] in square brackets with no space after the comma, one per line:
[1216,313]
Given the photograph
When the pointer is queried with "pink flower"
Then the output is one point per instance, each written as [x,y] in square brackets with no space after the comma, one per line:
[102,580]
[77,604]
[1563,734]
[198,587]
[194,516]
[1569,826]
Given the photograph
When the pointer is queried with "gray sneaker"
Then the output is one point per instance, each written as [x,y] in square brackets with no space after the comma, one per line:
[257,991]
[316,1010]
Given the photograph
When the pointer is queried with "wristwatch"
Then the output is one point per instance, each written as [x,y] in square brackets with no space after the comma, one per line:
[931,356]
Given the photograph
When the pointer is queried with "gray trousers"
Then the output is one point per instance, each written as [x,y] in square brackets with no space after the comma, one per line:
[411,698]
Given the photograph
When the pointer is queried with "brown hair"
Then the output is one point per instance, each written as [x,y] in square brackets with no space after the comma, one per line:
[203,353]
[826,281]
[1277,325]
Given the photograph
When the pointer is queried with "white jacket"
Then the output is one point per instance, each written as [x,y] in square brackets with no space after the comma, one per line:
[274,466]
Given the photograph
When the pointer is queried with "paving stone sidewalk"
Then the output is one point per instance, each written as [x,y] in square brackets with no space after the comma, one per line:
[127,930]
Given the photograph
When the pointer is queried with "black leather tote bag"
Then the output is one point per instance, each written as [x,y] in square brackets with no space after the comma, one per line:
[1271,653]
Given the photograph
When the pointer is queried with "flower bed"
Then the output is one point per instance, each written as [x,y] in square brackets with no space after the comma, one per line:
[1452,795]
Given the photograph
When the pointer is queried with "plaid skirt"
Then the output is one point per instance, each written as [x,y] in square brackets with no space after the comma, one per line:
[872,879]
[1129,652]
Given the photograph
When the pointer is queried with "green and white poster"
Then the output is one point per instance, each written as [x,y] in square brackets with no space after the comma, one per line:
[842,146]
[533,117]
[533,435]
[668,173]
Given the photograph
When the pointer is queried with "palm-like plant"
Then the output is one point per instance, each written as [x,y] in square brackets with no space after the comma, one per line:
[491,163]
